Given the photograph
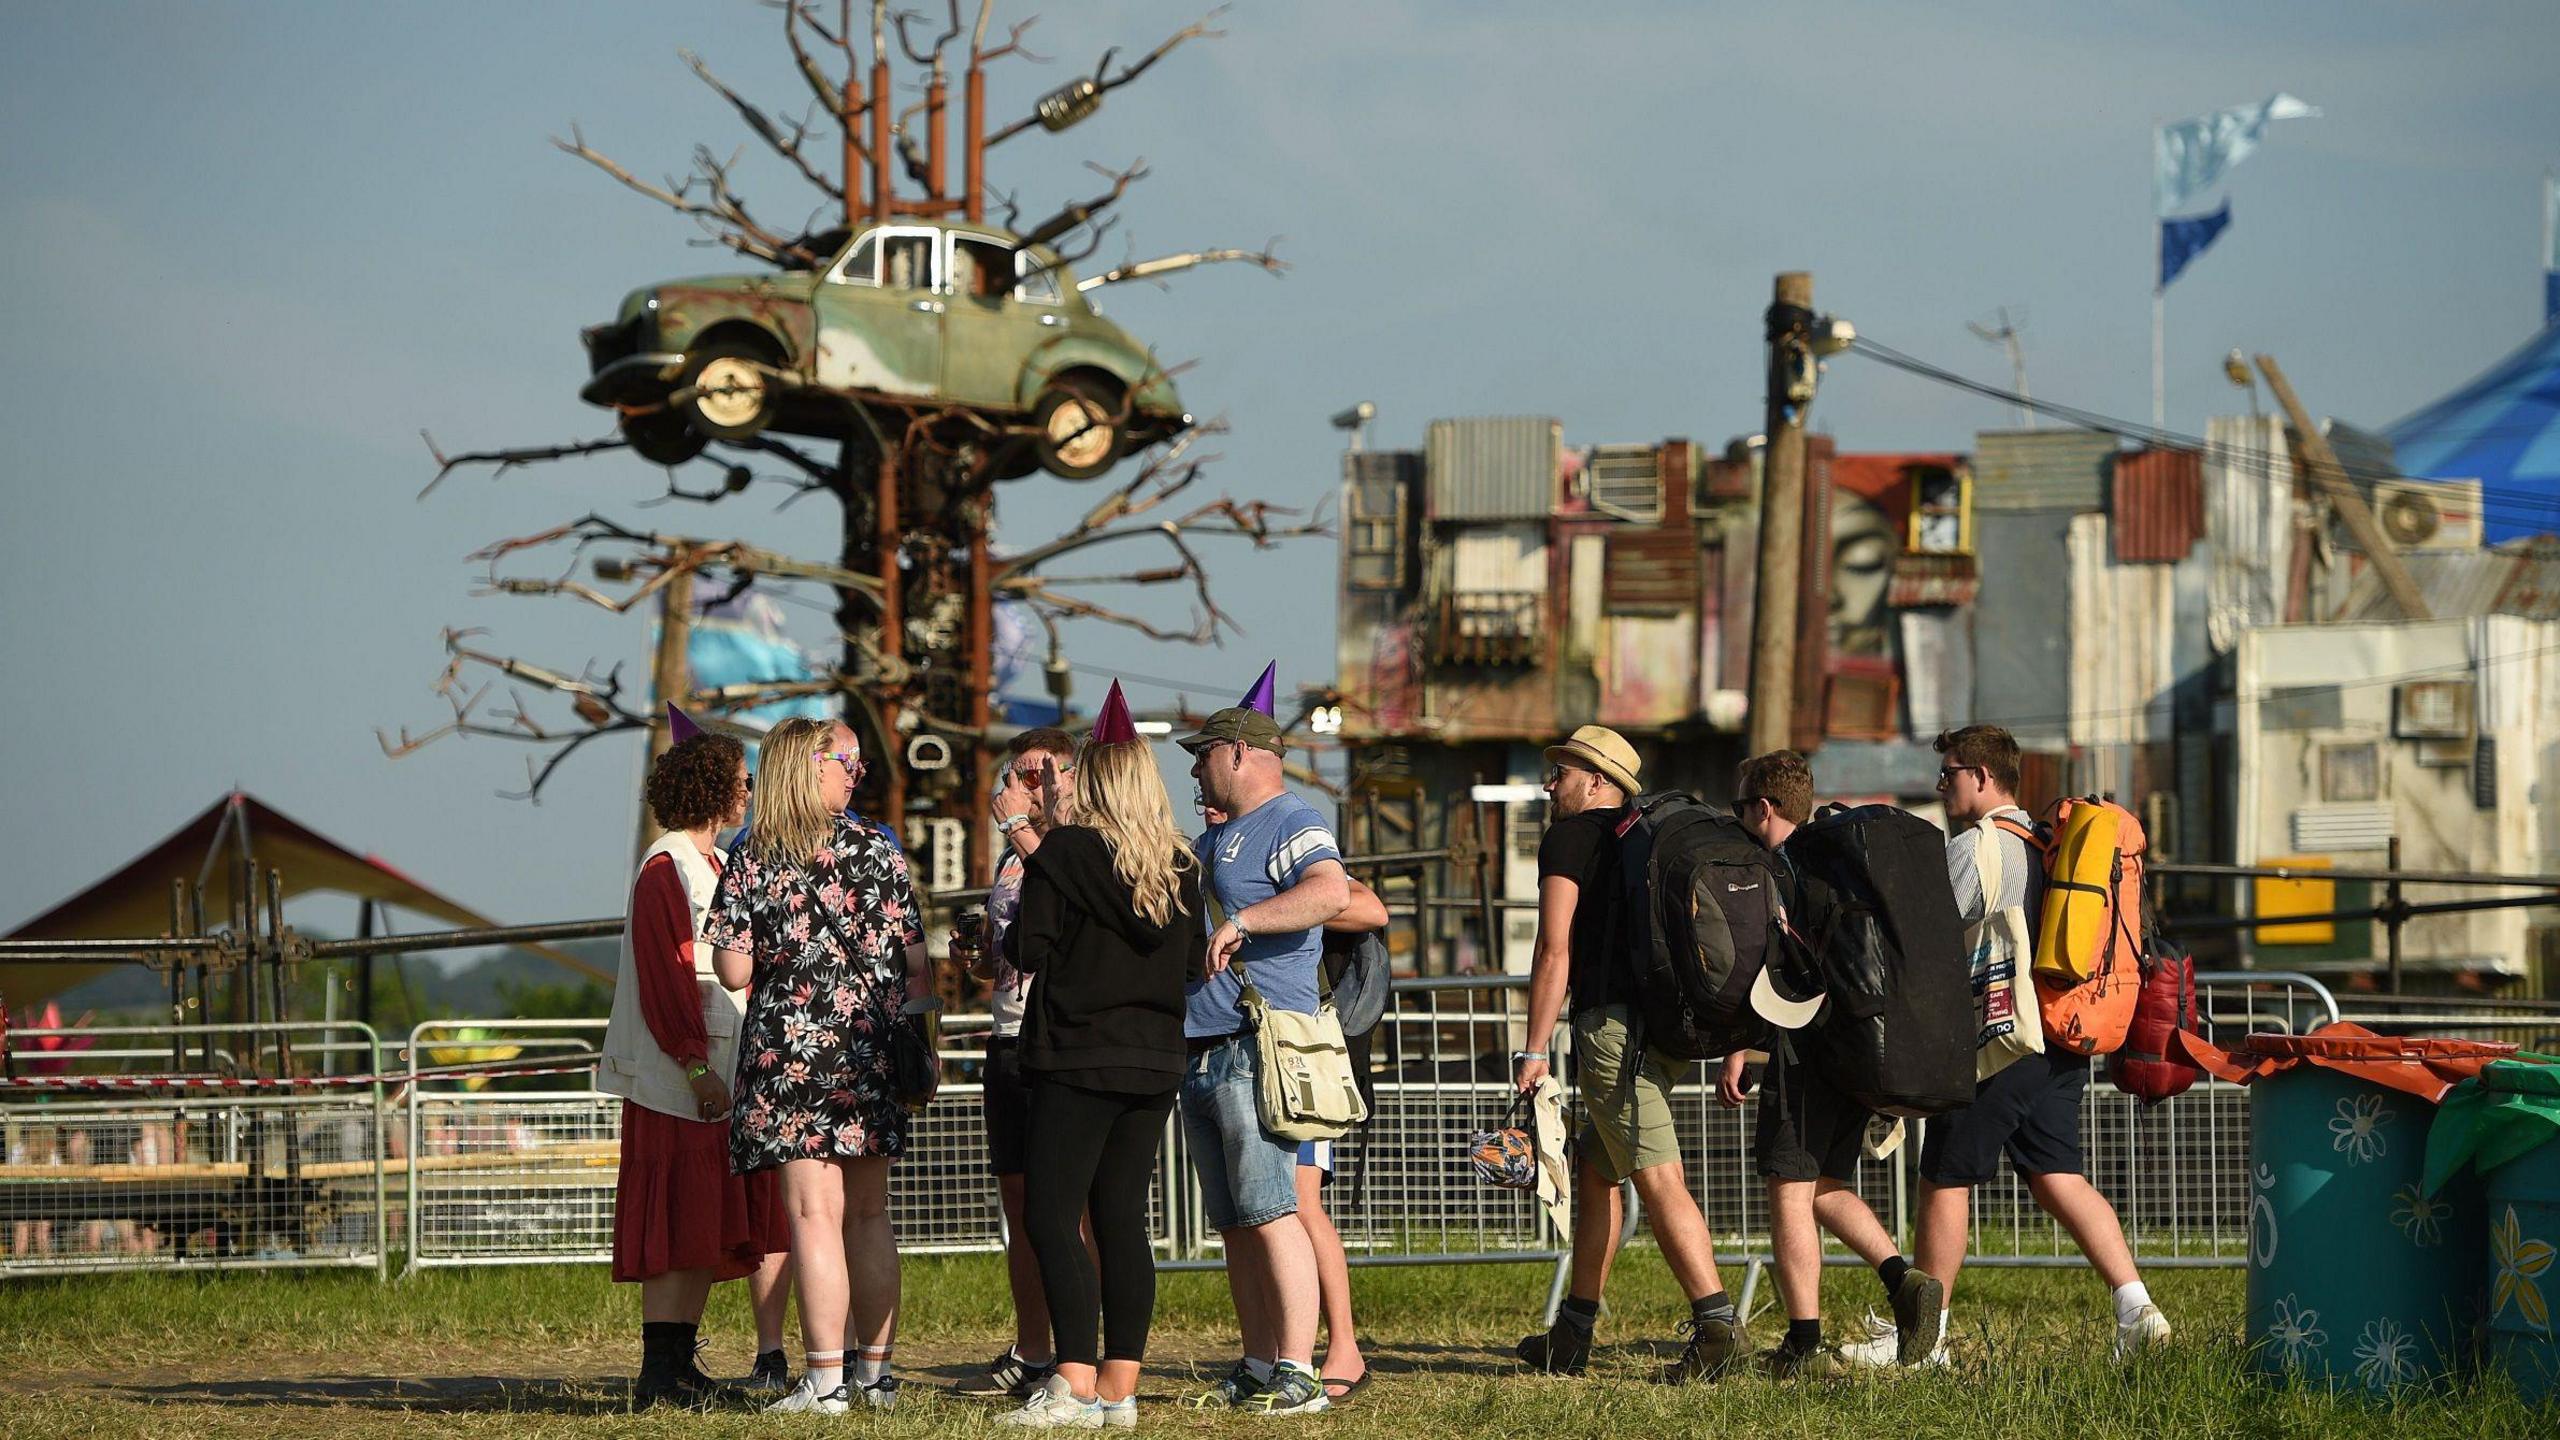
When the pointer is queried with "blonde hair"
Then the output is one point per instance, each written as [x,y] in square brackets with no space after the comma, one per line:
[791,817]
[1120,797]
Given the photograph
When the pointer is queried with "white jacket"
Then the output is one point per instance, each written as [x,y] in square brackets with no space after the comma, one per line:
[632,1065]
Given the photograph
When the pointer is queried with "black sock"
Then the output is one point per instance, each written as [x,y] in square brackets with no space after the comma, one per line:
[1713,1307]
[1803,1337]
[1891,1273]
[1577,1312]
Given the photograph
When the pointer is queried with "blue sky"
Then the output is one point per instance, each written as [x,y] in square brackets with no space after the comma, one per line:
[251,250]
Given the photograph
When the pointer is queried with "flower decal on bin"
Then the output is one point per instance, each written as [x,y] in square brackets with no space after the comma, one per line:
[2386,1355]
[2419,1217]
[2357,1128]
[2519,1260]
[2296,1334]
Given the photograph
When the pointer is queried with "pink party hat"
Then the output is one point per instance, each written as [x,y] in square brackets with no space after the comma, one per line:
[1262,697]
[1113,726]
[680,726]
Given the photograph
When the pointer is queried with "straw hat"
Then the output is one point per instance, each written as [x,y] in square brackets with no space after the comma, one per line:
[1597,747]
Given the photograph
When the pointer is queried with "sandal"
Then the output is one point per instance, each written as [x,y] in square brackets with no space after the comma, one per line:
[1349,1387]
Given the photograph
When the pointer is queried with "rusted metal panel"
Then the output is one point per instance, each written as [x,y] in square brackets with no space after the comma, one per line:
[2156,506]
[2040,469]
[1500,468]
[1813,598]
[1927,581]
[1645,676]
[2522,579]
[1651,571]
[1863,700]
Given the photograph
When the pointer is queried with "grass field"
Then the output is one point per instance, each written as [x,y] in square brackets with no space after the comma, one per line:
[546,1352]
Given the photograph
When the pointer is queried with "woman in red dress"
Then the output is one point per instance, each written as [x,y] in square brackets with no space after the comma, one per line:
[682,1220]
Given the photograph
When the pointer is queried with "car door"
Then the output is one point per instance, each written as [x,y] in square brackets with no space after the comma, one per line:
[880,314]
[993,320]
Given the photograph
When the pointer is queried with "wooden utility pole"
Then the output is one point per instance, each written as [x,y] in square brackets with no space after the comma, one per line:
[2331,478]
[1773,609]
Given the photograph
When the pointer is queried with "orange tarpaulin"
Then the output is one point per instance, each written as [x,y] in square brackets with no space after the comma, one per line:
[2424,1068]
[134,901]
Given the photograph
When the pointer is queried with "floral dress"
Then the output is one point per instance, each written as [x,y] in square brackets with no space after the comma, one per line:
[829,940]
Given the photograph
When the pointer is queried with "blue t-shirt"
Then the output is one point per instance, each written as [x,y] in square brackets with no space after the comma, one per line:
[1246,861]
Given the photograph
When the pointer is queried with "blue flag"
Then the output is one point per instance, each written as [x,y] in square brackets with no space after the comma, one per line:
[2181,241]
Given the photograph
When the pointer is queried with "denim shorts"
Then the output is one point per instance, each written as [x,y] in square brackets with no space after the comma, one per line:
[1248,1176]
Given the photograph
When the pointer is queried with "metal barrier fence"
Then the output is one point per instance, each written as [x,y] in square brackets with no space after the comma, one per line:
[520,1166]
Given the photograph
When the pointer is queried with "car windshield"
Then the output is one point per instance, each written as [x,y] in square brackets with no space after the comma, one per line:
[862,265]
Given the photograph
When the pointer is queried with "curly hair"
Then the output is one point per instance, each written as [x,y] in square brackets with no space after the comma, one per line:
[696,783]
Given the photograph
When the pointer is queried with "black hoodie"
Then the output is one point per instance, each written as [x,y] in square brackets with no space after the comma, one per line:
[1105,1009]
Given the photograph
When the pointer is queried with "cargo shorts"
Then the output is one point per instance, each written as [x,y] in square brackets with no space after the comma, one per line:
[1628,1119]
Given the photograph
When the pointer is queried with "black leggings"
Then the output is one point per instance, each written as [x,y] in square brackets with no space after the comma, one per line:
[1090,1151]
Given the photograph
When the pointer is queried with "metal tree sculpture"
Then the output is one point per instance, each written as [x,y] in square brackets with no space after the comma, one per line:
[915,584]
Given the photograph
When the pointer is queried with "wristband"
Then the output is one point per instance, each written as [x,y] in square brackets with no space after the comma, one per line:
[1519,1055]
[1237,920]
[697,1069]
[1011,823]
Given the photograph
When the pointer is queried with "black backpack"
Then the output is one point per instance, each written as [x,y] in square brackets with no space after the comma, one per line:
[1873,903]
[1701,905]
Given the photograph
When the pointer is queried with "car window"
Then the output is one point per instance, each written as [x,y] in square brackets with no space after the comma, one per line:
[1039,280]
[980,268]
[861,266]
[907,262]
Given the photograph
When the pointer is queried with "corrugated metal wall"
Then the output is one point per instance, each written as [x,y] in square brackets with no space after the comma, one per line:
[1501,468]
[2039,470]
[2021,620]
[2156,502]
[1494,559]
[2248,498]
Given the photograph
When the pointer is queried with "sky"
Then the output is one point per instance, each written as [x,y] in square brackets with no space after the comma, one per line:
[251,251]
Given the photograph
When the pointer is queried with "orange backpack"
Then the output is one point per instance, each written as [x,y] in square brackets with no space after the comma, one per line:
[2088,967]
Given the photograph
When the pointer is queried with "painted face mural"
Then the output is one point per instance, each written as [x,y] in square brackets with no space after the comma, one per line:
[1863,545]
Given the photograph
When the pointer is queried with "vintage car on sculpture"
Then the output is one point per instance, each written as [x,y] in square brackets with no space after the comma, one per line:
[961,316]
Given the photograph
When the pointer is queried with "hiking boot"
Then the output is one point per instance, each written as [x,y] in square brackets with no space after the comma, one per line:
[1561,1349]
[1712,1347]
[675,1378]
[1919,1316]
[1785,1364]
[1232,1390]
[1054,1406]
[807,1399]
[1880,1346]
[1015,1376]
[2147,1328]
[1292,1391]
[772,1375]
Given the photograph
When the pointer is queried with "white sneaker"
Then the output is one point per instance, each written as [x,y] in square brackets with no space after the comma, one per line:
[2147,1328]
[1879,1343]
[1054,1406]
[881,1394]
[1120,1414]
[806,1398]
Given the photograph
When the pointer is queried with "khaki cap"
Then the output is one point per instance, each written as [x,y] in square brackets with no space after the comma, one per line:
[1251,727]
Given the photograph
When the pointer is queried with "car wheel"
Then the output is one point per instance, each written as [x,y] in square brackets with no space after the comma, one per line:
[662,437]
[1076,429]
[732,384]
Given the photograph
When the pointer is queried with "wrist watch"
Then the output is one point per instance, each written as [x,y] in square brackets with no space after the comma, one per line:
[1237,920]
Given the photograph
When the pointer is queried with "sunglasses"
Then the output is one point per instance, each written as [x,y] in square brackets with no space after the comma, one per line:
[1948,773]
[849,759]
[1030,779]
[1556,773]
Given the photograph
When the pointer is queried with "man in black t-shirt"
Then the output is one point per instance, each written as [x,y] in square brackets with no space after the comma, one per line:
[1591,782]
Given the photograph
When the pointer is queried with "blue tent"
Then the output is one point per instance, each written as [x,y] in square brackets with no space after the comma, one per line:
[2502,429]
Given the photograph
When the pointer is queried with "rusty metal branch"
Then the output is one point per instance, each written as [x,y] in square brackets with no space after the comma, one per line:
[506,460]
[766,130]
[932,57]
[723,218]
[1104,82]
[1189,259]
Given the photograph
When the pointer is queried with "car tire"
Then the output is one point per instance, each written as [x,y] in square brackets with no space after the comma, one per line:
[733,384]
[1076,428]
[663,437]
